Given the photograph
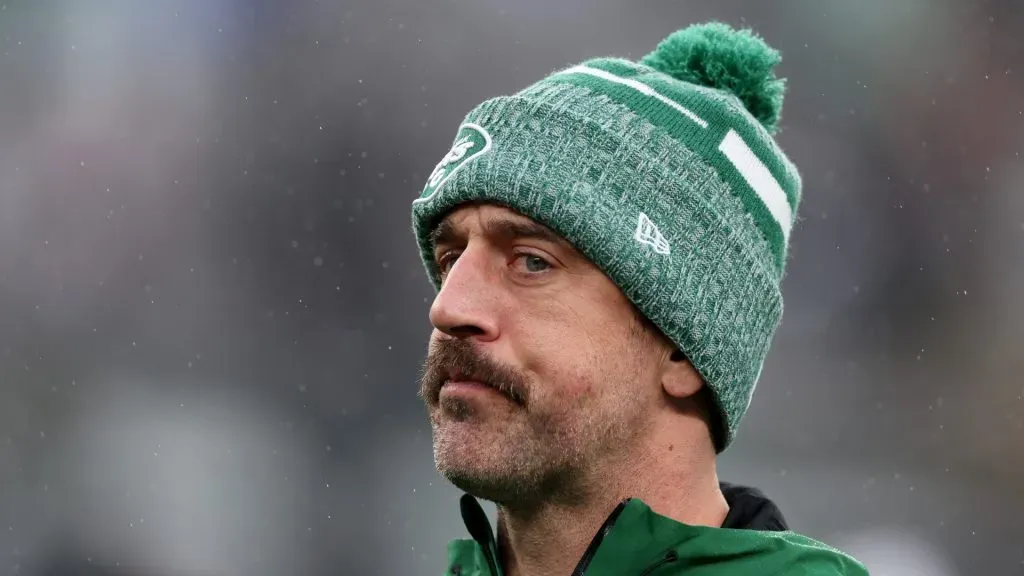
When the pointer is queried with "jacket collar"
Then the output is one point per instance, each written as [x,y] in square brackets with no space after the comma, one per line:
[750,509]
[482,550]
[651,535]
[479,555]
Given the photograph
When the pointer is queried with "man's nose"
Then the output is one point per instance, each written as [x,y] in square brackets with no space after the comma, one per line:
[467,305]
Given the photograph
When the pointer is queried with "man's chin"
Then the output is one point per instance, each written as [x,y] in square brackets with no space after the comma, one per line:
[491,485]
[460,459]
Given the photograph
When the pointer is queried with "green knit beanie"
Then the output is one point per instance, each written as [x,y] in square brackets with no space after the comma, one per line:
[665,174]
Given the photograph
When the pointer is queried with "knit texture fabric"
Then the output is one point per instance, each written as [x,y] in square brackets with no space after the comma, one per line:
[675,189]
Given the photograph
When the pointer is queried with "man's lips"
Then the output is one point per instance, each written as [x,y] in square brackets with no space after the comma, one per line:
[461,387]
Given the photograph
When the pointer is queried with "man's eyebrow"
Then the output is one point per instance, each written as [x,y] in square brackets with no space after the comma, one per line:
[507,229]
[443,233]
[500,228]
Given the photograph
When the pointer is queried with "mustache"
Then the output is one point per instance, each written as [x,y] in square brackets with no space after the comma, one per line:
[454,356]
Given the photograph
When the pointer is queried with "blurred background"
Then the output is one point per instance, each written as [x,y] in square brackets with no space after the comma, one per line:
[213,314]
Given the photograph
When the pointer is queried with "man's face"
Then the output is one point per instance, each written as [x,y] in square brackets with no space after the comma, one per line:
[539,374]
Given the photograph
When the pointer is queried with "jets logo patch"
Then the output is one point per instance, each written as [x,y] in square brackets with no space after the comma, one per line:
[471,141]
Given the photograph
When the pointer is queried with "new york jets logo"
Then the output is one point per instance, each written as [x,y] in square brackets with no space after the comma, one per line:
[471,141]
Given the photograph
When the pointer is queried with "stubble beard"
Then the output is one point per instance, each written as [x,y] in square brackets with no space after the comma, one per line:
[510,463]
[532,458]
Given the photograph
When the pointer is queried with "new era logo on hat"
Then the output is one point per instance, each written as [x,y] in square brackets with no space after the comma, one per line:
[647,233]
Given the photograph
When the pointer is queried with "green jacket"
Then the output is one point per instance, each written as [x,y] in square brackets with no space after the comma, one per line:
[636,541]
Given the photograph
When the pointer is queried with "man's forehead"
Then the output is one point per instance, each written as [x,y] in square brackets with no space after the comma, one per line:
[493,221]
[464,215]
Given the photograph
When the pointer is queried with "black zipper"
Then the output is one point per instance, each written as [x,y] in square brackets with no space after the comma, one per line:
[669,557]
[588,554]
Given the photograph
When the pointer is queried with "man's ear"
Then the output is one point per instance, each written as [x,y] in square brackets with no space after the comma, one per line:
[679,378]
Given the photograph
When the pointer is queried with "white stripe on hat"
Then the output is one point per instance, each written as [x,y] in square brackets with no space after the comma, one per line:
[760,180]
[639,87]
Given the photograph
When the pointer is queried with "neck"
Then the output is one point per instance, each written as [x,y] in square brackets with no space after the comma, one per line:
[674,480]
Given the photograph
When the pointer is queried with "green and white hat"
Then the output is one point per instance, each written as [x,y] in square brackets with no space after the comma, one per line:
[666,175]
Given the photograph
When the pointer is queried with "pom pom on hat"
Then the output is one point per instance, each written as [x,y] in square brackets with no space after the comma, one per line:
[719,56]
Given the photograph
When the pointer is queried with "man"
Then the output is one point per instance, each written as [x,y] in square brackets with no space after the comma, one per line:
[607,246]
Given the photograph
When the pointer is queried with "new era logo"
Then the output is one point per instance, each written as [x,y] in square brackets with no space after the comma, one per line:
[647,233]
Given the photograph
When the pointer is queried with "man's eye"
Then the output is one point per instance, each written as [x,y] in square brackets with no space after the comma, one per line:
[446,261]
[533,263]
